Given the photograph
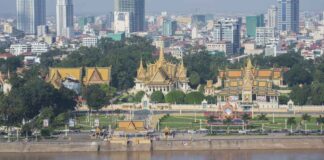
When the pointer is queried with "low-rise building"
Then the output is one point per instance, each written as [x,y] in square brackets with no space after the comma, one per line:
[89,41]
[265,35]
[222,46]
[39,48]
[18,49]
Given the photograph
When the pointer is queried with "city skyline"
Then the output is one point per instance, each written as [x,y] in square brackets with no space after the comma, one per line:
[154,6]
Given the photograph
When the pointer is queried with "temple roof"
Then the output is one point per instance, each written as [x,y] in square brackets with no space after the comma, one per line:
[131,126]
[97,75]
[161,72]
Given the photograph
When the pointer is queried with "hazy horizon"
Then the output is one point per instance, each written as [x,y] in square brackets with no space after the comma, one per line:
[7,7]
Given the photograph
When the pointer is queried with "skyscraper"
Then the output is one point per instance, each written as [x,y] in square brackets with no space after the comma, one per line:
[64,18]
[272,20]
[30,14]
[136,9]
[252,22]
[288,15]
[169,27]
[228,30]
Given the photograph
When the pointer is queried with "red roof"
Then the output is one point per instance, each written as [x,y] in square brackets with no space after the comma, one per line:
[5,55]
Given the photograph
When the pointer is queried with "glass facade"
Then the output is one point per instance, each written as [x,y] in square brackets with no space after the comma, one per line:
[136,8]
[30,14]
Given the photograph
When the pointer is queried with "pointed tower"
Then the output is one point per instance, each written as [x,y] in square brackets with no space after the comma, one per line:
[248,79]
[141,71]
[161,60]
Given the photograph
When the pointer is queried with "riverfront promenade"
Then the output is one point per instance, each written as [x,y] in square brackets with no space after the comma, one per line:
[177,144]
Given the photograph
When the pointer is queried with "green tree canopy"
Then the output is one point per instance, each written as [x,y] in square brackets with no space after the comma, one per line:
[96,97]
[194,98]
[157,97]
[175,97]
[194,79]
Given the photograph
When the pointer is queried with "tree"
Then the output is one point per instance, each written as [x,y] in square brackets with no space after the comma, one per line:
[194,98]
[157,97]
[298,75]
[194,79]
[291,121]
[305,118]
[175,97]
[246,117]
[138,96]
[96,97]
[263,117]
[300,94]
[228,121]
[211,99]
[283,100]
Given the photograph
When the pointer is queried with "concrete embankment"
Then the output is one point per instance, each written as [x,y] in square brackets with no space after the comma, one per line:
[172,145]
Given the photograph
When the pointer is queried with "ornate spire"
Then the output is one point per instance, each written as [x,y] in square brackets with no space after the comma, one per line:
[249,64]
[141,64]
[161,58]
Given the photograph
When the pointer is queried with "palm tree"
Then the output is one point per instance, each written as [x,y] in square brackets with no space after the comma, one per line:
[228,122]
[291,121]
[246,117]
[263,117]
[305,118]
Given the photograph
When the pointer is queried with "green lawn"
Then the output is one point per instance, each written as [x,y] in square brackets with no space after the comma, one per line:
[104,121]
[280,123]
[188,123]
[183,122]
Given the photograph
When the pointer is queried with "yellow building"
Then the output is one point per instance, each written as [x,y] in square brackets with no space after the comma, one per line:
[250,86]
[93,75]
[57,76]
[130,128]
[97,75]
[161,76]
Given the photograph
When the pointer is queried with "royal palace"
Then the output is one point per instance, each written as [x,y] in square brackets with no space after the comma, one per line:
[161,76]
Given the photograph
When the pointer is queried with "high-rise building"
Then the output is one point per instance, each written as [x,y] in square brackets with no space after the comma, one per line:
[136,10]
[30,14]
[265,35]
[272,20]
[252,22]
[169,27]
[288,15]
[228,30]
[122,22]
[64,18]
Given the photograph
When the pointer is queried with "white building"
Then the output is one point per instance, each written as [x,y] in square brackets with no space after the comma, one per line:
[39,48]
[228,30]
[271,50]
[64,18]
[18,49]
[176,52]
[222,46]
[265,35]
[122,22]
[272,19]
[89,41]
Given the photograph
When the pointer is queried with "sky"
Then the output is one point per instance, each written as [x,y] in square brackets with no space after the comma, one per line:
[175,6]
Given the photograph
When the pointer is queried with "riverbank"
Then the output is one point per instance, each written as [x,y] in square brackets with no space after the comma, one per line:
[256,143]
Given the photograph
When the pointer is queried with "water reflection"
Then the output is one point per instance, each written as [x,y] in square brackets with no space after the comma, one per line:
[175,155]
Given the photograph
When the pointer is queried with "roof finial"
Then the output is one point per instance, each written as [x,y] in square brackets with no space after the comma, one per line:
[161,58]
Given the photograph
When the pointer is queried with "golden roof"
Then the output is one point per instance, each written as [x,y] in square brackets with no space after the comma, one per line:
[57,75]
[97,75]
[161,72]
[264,73]
[131,126]
[234,74]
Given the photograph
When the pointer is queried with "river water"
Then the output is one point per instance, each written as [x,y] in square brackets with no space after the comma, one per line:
[176,155]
